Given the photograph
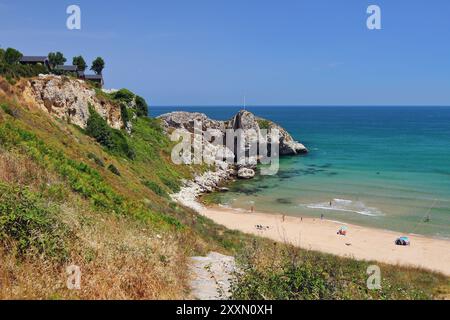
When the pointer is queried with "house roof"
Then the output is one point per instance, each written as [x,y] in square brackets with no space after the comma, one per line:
[67,68]
[34,59]
[94,77]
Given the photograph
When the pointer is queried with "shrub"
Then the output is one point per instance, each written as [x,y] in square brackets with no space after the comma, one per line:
[156,188]
[141,107]
[29,223]
[8,110]
[96,159]
[282,272]
[114,170]
[124,114]
[111,139]
[171,184]
[12,56]
[123,95]
[98,128]
[264,124]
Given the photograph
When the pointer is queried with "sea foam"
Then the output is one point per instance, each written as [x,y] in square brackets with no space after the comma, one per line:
[347,206]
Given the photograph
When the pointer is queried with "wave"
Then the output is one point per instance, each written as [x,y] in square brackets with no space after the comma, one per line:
[347,206]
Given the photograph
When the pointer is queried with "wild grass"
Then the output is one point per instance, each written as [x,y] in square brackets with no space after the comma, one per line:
[129,239]
[272,271]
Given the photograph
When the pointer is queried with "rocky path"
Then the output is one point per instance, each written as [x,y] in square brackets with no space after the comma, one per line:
[211,276]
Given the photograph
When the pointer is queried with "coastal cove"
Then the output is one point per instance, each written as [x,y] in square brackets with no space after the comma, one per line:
[379,167]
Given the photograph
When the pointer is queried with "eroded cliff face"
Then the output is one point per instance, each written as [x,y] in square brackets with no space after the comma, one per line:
[69,100]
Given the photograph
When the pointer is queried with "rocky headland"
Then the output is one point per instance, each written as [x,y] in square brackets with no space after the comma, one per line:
[222,171]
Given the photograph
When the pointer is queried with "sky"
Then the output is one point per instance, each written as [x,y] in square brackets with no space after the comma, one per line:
[216,52]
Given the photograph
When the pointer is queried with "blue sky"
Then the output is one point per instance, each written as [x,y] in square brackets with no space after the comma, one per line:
[215,52]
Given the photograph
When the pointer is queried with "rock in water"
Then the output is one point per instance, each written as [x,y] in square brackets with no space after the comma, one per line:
[246,173]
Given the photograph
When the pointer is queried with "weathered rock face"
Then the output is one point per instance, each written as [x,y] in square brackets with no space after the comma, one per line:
[186,120]
[69,99]
[243,120]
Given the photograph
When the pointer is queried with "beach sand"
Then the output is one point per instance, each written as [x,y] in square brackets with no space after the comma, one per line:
[361,243]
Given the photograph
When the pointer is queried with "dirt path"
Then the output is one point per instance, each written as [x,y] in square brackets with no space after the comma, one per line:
[211,276]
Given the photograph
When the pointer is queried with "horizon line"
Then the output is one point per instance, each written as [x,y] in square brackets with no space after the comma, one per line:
[297,106]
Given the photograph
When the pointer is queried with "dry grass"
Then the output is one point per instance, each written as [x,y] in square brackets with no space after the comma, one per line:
[21,170]
[118,258]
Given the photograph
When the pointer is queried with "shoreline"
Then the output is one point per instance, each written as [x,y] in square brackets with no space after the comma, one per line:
[361,243]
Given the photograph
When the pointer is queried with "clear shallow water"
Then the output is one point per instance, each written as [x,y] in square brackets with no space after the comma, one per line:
[384,167]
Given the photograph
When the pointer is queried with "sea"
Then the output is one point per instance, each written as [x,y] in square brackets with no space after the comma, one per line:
[383,167]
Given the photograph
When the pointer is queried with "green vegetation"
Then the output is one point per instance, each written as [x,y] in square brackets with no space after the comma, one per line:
[56,59]
[30,223]
[264,124]
[12,70]
[156,188]
[65,199]
[282,272]
[123,95]
[8,110]
[96,159]
[12,56]
[98,65]
[80,63]
[141,107]
[113,140]
[114,170]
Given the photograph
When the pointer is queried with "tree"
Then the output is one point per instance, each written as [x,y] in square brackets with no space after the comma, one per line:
[80,63]
[12,56]
[2,55]
[98,65]
[141,107]
[56,59]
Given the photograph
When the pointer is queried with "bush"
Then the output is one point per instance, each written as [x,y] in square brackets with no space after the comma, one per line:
[282,272]
[171,184]
[124,114]
[33,227]
[8,110]
[156,188]
[264,124]
[114,170]
[12,56]
[111,139]
[123,95]
[98,128]
[141,107]
[96,159]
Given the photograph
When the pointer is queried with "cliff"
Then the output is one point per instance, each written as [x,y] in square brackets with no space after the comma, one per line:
[244,120]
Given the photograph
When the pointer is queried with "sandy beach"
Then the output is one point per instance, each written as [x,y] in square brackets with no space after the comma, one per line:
[361,243]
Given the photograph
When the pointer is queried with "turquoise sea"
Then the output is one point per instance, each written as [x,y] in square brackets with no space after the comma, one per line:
[385,167]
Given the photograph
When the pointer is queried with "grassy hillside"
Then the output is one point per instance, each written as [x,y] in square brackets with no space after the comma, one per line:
[99,198]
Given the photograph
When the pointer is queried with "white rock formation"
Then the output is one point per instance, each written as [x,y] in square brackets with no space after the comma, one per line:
[246,173]
[69,99]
